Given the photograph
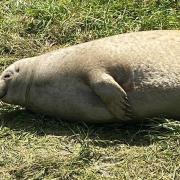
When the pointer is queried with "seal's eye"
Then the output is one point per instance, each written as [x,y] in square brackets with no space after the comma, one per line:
[17,69]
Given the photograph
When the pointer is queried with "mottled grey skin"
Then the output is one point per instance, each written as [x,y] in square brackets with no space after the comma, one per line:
[115,79]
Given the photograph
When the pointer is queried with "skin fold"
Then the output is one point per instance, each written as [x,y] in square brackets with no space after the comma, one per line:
[121,78]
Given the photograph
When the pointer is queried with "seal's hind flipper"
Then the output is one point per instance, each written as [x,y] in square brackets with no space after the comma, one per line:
[111,93]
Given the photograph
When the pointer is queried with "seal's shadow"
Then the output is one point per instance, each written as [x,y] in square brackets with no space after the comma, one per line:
[101,135]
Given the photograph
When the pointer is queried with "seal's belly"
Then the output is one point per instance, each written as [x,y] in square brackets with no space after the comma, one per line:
[73,100]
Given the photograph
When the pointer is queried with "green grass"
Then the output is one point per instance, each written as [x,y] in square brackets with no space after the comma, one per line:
[36,147]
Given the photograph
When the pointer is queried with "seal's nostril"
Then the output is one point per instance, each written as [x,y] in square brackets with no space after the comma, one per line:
[7,76]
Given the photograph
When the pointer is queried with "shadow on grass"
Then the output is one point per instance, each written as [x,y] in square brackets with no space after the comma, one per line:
[100,135]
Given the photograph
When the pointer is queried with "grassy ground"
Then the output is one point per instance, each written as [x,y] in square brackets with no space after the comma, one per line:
[37,147]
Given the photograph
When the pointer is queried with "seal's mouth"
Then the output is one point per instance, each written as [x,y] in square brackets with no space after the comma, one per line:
[6,76]
[3,89]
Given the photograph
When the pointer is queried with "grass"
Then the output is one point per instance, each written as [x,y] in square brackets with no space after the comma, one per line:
[36,147]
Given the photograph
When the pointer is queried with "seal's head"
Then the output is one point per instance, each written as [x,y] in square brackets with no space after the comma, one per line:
[13,82]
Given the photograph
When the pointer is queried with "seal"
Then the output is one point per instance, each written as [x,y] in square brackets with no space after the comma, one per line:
[125,77]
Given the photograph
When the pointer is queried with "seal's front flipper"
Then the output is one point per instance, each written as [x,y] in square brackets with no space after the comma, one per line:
[111,93]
